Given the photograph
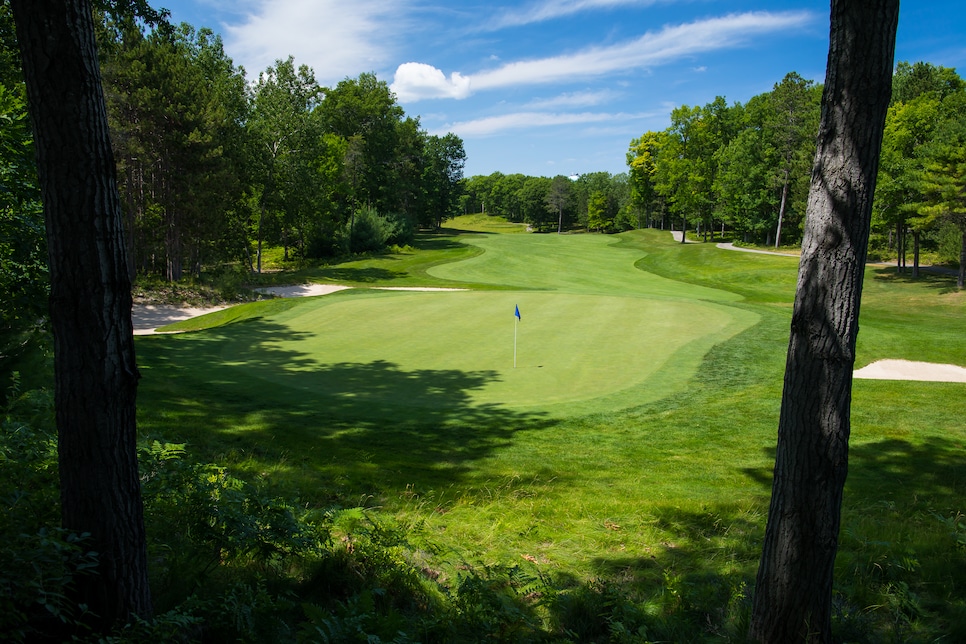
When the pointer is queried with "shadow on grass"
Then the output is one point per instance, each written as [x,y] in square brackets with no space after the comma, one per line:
[900,572]
[369,275]
[938,278]
[444,239]
[347,429]
[933,469]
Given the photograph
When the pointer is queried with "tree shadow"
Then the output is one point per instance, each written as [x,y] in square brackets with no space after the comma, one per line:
[933,469]
[369,275]
[343,428]
[697,581]
[937,278]
[444,240]
[892,469]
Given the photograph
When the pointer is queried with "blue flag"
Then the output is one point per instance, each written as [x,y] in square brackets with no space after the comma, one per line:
[517,313]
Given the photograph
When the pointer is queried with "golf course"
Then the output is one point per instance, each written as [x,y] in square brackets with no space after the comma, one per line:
[620,432]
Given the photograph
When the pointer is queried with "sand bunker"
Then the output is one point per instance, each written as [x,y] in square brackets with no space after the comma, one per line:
[909,370]
[148,317]
[303,290]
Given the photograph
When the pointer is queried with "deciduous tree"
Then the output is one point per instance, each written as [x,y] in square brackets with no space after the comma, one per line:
[560,198]
[442,176]
[944,176]
[285,139]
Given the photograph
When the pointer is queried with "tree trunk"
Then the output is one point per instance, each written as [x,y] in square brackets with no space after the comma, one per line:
[258,249]
[90,304]
[781,211]
[915,253]
[794,586]
[961,277]
[901,247]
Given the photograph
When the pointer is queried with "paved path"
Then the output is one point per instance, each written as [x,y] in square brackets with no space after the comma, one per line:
[731,246]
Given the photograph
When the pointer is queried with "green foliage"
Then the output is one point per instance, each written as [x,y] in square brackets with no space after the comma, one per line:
[206,518]
[920,184]
[176,103]
[37,572]
[442,178]
[38,562]
[550,204]
[23,246]
[370,232]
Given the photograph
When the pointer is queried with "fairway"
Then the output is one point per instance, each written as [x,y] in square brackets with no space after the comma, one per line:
[578,351]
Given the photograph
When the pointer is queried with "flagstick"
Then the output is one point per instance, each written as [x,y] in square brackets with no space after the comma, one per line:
[516,321]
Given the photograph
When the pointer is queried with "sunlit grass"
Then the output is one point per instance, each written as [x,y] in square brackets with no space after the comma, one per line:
[661,485]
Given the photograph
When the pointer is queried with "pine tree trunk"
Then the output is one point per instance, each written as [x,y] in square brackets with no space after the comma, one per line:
[90,304]
[794,587]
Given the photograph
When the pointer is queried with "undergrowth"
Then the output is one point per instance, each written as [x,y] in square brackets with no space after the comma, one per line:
[230,562]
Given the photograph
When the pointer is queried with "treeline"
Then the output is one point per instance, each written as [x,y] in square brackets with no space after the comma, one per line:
[746,168]
[212,167]
[741,168]
[598,201]
[921,189]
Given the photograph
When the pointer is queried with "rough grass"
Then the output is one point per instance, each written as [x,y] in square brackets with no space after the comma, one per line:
[664,496]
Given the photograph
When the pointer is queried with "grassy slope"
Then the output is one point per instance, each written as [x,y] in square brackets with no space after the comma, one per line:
[671,493]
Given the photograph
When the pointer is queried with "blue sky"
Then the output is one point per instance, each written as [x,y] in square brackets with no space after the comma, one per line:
[555,87]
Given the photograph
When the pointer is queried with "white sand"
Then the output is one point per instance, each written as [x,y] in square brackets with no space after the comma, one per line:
[909,370]
[148,317]
[303,290]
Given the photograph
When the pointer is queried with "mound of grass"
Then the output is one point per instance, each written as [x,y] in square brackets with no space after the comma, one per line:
[483,223]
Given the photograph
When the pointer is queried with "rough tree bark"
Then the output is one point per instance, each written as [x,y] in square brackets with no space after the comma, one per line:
[90,303]
[794,587]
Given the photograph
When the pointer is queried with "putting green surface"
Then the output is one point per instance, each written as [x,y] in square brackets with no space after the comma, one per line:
[598,335]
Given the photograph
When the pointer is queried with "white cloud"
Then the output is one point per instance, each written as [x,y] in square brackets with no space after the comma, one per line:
[491,125]
[653,48]
[337,39]
[672,42]
[552,9]
[574,99]
[415,81]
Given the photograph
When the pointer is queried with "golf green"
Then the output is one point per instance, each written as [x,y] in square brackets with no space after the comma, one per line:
[370,353]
